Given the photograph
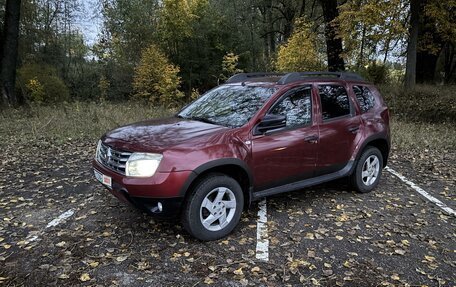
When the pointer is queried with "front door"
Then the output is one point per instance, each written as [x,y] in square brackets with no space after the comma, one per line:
[287,154]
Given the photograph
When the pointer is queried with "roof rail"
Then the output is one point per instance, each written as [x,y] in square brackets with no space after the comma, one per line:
[295,76]
[244,77]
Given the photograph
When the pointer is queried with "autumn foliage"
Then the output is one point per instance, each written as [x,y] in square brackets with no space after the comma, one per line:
[300,52]
[156,79]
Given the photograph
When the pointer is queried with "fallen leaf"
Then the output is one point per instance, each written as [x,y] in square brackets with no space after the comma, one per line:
[208,281]
[84,277]
[395,277]
[238,271]
[63,276]
[121,258]
[255,269]
[61,244]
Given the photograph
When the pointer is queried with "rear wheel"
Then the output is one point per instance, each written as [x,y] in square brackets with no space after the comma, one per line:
[368,170]
[214,207]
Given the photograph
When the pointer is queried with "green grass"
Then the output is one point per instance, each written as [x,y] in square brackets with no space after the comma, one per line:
[82,120]
[424,103]
[420,136]
[79,120]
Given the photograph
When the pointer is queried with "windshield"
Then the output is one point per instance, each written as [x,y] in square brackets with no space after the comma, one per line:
[228,105]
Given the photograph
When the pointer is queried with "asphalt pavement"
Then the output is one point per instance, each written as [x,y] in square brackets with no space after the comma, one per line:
[59,227]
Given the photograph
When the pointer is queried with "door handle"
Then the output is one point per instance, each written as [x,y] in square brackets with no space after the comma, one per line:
[311,139]
[353,129]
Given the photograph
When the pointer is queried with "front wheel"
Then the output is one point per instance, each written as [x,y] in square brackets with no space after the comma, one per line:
[368,170]
[214,207]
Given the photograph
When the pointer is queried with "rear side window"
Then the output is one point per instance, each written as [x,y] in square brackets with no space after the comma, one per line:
[365,98]
[297,107]
[334,101]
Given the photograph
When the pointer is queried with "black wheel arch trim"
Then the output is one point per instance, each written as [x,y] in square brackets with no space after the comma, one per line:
[369,140]
[214,164]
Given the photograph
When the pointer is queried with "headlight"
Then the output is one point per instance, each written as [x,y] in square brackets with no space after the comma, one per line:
[142,164]
[97,152]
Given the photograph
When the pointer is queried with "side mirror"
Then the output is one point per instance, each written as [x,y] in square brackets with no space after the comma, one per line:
[270,122]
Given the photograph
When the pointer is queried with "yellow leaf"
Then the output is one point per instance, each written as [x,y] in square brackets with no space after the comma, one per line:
[84,277]
[347,264]
[208,281]
[310,236]
[343,217]
[255,269]
[63,276]
[405,242]
[238,271]
[429,258]
[121,258]
[94,264]
[61,244]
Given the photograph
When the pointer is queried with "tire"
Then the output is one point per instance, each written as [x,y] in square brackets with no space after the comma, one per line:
[214,207]
[368,170]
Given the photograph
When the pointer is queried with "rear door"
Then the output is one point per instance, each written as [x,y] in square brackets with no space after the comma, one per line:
[339,127]
[287,154]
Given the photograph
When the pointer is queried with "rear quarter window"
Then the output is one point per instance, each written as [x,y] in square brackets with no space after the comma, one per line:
[364,97]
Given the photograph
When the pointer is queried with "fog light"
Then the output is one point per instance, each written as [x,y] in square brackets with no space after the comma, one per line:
[160,206]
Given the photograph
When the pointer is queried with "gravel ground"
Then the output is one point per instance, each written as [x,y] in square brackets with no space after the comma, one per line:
[322,236]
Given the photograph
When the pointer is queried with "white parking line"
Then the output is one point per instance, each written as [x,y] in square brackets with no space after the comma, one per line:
[262,247]
[421,191]
[33,236]
[60,218]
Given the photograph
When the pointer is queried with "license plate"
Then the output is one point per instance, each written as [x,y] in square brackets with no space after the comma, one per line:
[104,179]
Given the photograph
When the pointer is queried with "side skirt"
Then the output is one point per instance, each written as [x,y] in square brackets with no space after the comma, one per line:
[304,183]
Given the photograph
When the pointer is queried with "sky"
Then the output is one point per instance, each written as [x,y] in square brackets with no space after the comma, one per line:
[89,21]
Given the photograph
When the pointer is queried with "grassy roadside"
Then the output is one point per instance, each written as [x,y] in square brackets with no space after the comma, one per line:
[90,120]
[79,120]
[421,136]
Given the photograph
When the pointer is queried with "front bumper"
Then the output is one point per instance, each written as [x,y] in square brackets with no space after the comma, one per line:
[159,195]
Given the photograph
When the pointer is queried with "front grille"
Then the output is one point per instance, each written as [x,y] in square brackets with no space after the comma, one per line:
[113,159]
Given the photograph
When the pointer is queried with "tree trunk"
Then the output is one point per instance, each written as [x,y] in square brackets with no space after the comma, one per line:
[410,68]
[9,55]
[428,35]
[426,64]
[333,42]
[449,65]
[361,52]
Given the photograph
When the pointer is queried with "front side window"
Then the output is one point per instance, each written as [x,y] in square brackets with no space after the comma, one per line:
[334,101]
[231,106]
[365,98]
[297,107]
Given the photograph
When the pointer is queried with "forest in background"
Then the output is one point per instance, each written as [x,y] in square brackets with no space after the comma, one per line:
[169,51]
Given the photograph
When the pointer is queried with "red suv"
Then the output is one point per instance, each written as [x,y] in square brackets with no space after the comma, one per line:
[257,135]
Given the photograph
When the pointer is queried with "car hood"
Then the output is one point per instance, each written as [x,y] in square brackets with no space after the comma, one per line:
[160,134]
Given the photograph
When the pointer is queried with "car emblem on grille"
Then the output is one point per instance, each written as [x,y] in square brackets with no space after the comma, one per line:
[109,155]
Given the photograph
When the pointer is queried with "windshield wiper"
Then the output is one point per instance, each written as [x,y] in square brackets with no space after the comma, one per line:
[202,119]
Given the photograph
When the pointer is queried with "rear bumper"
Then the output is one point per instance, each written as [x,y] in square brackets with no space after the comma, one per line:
[159,195]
